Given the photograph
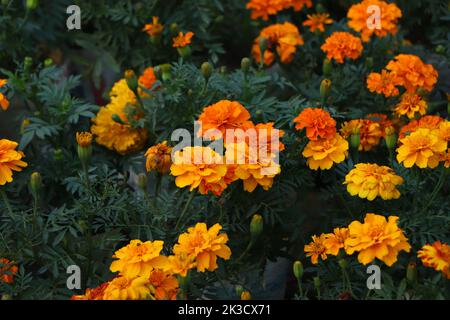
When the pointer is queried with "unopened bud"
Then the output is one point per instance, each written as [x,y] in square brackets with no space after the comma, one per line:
[355,140]
[131,79]
[297,267]
[84,148]
[256,226]
[245,64]
[6,297]
[58,155]
[246,295]
[27,63]
[316,282]
[185,51]
[32,4]
[325,87]
[239,290]
[36,183]
[327,67]
[411,272]
[48,62]
[23,125]
[440,49]
[207,70]
[223,70]
[165,71]
[174,29]
[391,138]
[343,264]
[369,63]
[142,181]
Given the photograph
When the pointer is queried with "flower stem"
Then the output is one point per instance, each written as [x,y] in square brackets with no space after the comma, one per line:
[435,192]
[186,207]
[7,204]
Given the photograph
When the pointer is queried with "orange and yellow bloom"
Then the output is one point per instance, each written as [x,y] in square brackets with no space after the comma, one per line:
[182,40]
[10,160]
[318,123]
[411,105]
[123,288]
[316,249]
[436,256]
[341,45]
[8,270]
[159,158]
[324,153]
[154,28]
[317,21]
[383,83]
[335,241]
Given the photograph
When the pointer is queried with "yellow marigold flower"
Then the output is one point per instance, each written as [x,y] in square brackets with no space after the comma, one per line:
[181,264]
[118,136]
[182,40]
[428,122]
[359,17]
[8,270]
[369,181]
[123,288]
[316,249]
[411,105]
[383,83]
[324,153]
[317,21]
[376,238]
[3,82]
[164,286]
[139,259]
[284,38]
[154,28]
[436,256]
[159,158]
[370,132]
[253,167]
[341,45]
[421,148]
[10,160]
[335,241]
[92,294]
[204,246]
[443,131]
[84,139]
[4,103]
[199,167]
[412,73]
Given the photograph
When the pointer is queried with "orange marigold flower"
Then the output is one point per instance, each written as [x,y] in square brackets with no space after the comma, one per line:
[324,153]
[84,139]
[164,286]
[335,241]
[369,181]
[159,158]
[8,270]
[10,160]
[376,238]
[154,28]
[412,73]
[411,105]
[223,115]
[298,5]
[148,78]
[421,148]
[445,159]
[317,21]
[316,249]
[139,259]
[383,83]
[265,8]
[203,246]
[318,123]
[359,18]
[3,82]
[4,102]
[182,40]
[428,122]
[436,256]
[385,123]
[370,132]
[283,37]
[92,294]
[341,45]
[199,167]
[123,288]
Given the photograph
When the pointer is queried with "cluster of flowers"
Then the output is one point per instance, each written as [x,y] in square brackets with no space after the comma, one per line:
[265,8]
[144,273]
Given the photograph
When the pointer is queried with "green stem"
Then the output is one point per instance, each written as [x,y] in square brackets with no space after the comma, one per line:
[435,192]
[300,289]
[7,204]
[183,213]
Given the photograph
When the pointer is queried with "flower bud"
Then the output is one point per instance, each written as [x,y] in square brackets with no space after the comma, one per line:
[263,45]
[48,62]
[131,79]
[58,155]
[245,295]
[390,138]
[174,29]
[256,226]
[343,264]
[223,70]
[355,140]
[207,70]
[239,290]
[24,124]
[327,67]
[165,71]
[84,140]
[142,181]
[325,87]
[316,282]
[32,4]
[245,64]
[411,272]
[35,183]
[27,63]
[369,63]
[298,269]
[440,49]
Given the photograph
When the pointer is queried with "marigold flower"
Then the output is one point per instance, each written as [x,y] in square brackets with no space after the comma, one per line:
[118,136]
[341,45]
[443,131]
[318,123]
[265,8]
[436,256]
[164,286]
[84,139]
[4,103]
[298,5]
[153,29]
[386,125]
[92,294]
[369,181]
[204,246]
[159,158]
[411,105]
[316,249]
[428,122]
[147,79]
[370,132]
[8,270]
[421,148]
[182,40]
[412,73]
[223,115]
[283,37]
[3,82]
[199,167]
[324,153]
[272,141]
[139,259]
[359,16]
[123,288]
[181,264]
[10,160]
[383,83]
[317,21]
[335,241]
[445,159]
[376,238]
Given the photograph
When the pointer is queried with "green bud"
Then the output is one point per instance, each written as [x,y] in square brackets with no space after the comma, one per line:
[320,8]
[174,29]
[256,226]
[411,272]
[58,155]
[223,70]
[35,183]
[263,45]
[327,67]
[32,4]
[131,79]
[369,63]
[343,264]
[325,87]
[27,63]
[391,140]
[84,154]
[245,64]
[48,62]
[158,72]
[297,267]
[440,49]
[142,181]
[316,282]
[166,71]
[190,92]
[239,289]
[355,140]
[206,70]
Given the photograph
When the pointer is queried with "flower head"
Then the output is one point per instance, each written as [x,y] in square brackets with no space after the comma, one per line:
[92,294]
[284,38]
[10,160]
[359,16]
[318,123]
[182,40]
[370,132]
[371,180]
[341,45]
[159,158]
[421,148]
[316,249]
[436,256]
[427,122]
[123,288]
[335,241]
[265,8]
[8,270]
[164,286]
[383,83]
[147,79]
[84,139]
[317,21]
[154,28]
[203,246]
[324,153]
[411,105]
[376,238]
[4,102]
